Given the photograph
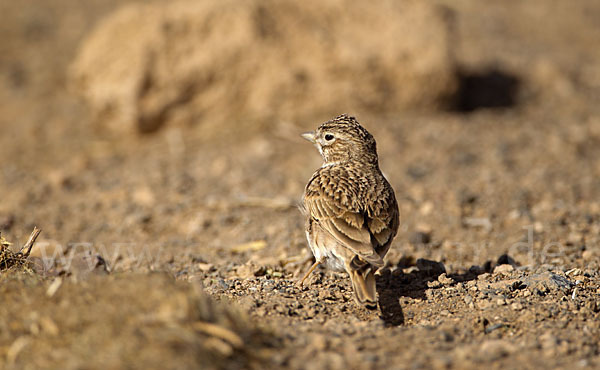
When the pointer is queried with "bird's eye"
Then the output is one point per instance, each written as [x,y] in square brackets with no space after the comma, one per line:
[328,137]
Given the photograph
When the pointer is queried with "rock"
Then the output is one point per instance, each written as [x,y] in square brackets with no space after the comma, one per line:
[432,267]
[477,270]
[505,259]
[224,61]
[516,306]
[484,276]
[434,284]
[547,281]
[503,269]
[484,305]
[494,327]
[205,267]
[445,280]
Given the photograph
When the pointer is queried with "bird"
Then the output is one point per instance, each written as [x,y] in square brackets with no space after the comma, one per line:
[350,208]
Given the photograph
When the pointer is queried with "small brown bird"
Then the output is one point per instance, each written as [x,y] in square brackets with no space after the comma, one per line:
[351,209]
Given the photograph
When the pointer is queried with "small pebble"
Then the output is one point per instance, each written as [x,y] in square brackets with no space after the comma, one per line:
[517,306]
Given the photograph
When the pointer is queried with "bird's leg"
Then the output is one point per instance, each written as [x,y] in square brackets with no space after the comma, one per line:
[312,268]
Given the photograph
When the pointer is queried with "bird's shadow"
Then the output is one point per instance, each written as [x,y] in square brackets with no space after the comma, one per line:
[393,285]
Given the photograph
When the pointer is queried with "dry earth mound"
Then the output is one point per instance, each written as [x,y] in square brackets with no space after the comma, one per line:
[104,323]
[216,61]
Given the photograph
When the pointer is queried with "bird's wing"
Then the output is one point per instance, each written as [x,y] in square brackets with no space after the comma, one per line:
[329,202]
[383,220]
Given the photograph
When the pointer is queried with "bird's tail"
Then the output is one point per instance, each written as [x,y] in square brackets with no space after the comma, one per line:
[363,284]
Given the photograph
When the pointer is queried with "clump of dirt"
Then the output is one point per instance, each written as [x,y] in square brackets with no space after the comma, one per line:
[229,61]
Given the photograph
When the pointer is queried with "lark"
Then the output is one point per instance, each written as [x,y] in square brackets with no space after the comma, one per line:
[351,210]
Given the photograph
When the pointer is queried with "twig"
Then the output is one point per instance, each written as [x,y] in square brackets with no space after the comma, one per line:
[219,332]
[250,246]
[34,235]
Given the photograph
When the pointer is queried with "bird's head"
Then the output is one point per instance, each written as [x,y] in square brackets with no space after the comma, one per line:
[343,139]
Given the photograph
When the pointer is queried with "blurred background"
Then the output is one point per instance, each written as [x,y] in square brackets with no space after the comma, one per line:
[165,136]
[178,122]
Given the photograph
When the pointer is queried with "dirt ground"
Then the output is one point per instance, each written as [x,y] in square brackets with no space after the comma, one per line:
[181,248]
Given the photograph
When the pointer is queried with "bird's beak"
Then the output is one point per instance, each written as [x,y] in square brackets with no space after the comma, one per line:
[310,136]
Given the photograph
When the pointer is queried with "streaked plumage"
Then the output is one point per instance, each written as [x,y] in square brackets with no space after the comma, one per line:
[351,210]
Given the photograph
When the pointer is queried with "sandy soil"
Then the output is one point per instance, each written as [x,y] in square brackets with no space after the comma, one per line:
[181,248]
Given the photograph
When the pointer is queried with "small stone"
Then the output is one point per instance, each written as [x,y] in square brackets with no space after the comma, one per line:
[491,328]
[222,284]
[484,276]
[547,281]
[445,280]
[432,267]
[501,302]
[503,269]
[477,270]
[483,305]
[517,306]
[434,284]
[205,267]
[505,259]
